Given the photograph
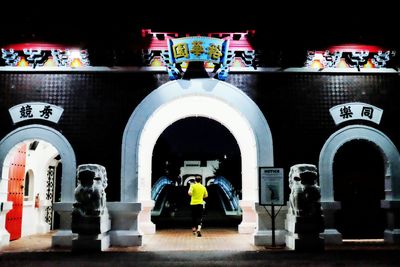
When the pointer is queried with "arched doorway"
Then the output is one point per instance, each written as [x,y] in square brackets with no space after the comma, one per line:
[40,133]
[180,99]
[196,146]
[30,169]
[359,178]
[391,159]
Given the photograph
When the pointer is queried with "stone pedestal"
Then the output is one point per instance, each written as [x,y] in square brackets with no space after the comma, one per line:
[124,231]
[146,226]
[91,243]
[249,217]
[331,235]
[392,233]
[63,237]
[304,233]
[263,233]
[92,232]
[5,207]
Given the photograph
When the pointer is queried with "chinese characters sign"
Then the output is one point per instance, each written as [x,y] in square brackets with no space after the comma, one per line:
[35,110]
[198,48]
[271,186]
[356,111]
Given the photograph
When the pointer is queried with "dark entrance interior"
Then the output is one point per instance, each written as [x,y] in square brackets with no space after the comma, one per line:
[358,172]
[199,140]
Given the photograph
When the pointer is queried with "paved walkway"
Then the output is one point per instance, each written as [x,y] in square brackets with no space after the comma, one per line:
[217,247]
[163,240]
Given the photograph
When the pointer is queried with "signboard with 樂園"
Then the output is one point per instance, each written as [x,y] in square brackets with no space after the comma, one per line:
[271,186]
[35,110]
[355,111]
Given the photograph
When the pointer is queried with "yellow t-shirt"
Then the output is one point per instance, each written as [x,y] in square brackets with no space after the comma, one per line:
[198,193]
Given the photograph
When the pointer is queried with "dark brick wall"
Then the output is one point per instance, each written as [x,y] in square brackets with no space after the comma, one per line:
[97,106]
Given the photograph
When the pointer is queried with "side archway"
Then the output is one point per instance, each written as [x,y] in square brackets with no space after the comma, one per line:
[391,158]
[55,138]
[180,99]
[335,141]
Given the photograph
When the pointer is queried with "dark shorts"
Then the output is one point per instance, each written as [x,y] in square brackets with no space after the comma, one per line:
[197,214]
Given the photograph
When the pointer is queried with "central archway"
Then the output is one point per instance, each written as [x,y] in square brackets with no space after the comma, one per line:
[180,99]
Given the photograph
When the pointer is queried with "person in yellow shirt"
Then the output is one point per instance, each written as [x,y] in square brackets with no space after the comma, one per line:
[198,193]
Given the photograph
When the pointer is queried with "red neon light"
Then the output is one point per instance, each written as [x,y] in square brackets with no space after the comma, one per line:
[356,48]
[238,41]
[37,46]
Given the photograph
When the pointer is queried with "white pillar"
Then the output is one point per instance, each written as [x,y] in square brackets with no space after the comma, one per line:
[249,217]
[4,234]
[146,226]
[124,223]
[63,237]
[263,234]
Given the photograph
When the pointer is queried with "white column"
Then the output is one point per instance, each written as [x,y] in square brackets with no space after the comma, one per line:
[4,234]
[249,217]
[124,223]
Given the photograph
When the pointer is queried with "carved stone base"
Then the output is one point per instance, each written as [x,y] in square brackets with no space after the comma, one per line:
[310,243]
[89,243]
[304,233]
[392,236]
[124,231]
[63,238]
[332,237]
[91,225]
[125,238]
[264,238]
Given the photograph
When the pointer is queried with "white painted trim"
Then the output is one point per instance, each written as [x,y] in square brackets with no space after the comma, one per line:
[55,138]
[355,132]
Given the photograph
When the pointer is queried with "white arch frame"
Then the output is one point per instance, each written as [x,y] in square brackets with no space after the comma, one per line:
[55,138]
[179,99]
[353,132]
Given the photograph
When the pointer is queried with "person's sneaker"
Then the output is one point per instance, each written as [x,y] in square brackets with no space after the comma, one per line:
[198,233]
[194,233]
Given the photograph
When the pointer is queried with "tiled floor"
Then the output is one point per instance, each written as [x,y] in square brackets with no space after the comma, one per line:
[212,239]
[163,240]
[183,240]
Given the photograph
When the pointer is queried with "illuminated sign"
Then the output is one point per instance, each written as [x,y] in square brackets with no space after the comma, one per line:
[220,51]
[43,55]
[198,48]
[350,56]
[35,110]
[355,111]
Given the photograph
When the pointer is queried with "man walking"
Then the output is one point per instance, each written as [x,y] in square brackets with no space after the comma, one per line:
[198,193]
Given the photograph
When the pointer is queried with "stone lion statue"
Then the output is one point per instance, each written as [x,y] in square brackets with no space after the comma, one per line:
[90,193]
[304,198]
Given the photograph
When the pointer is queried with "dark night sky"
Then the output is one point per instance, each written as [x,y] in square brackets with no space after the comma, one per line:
[282,24]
